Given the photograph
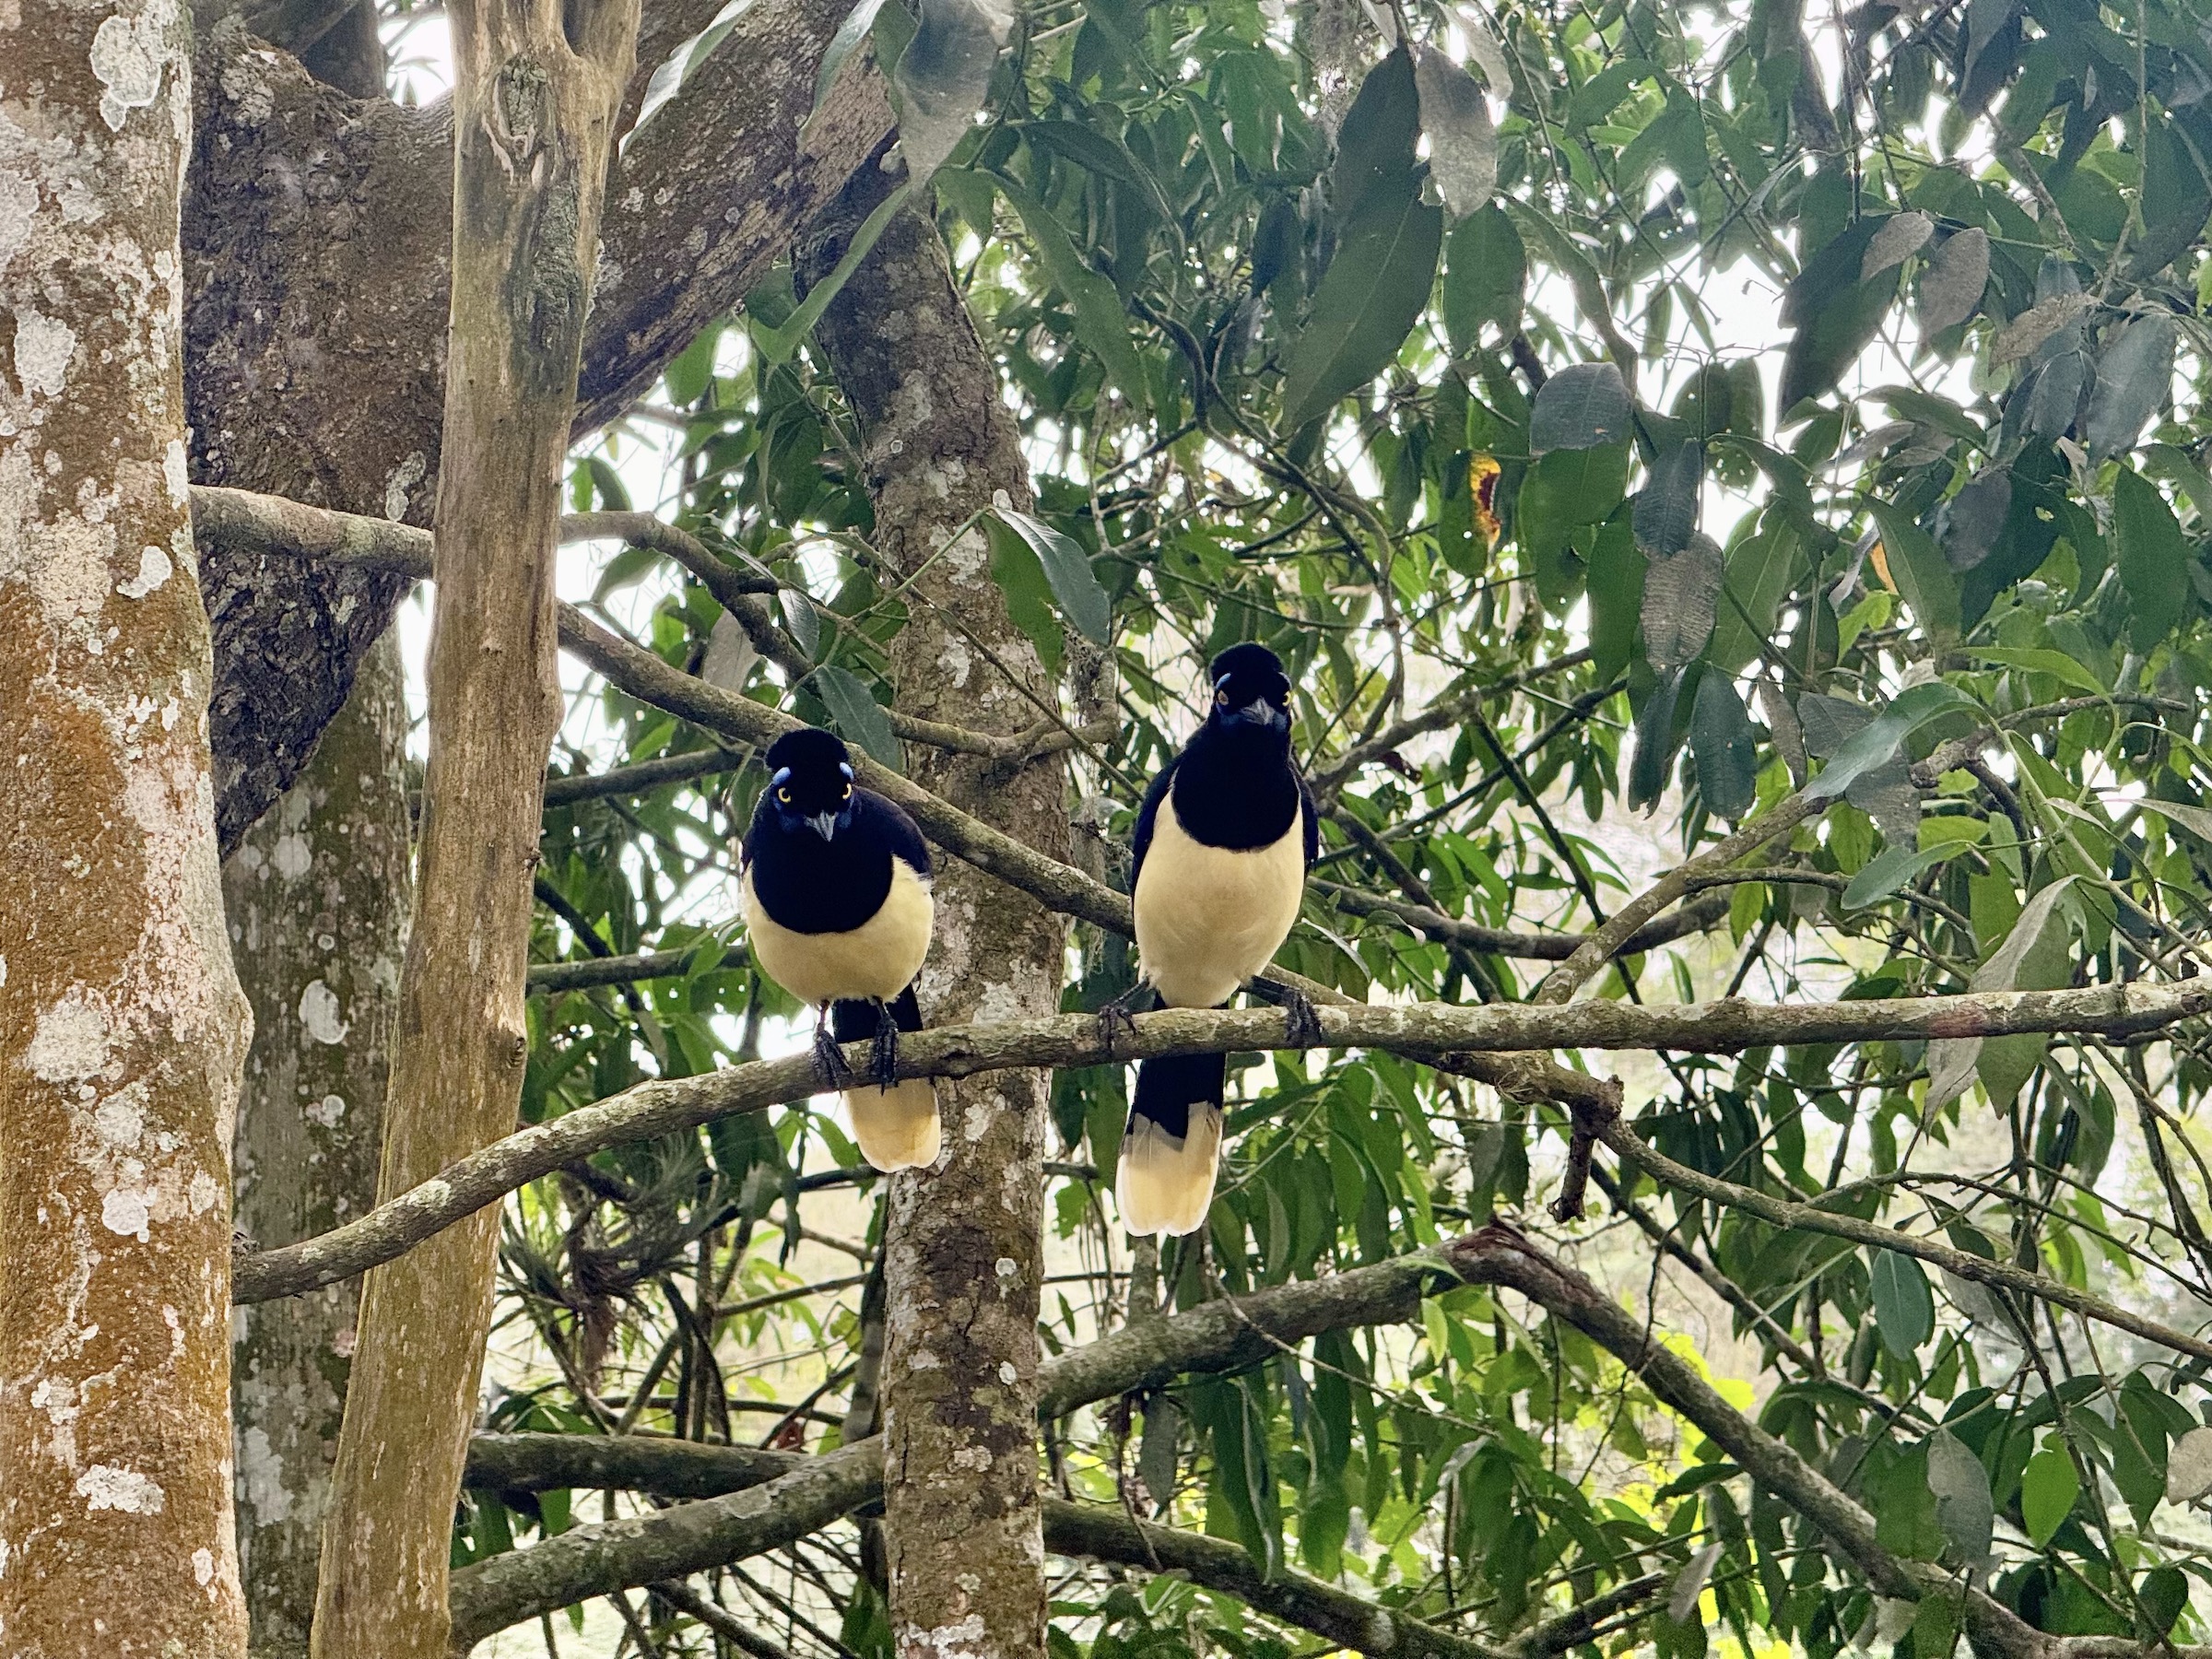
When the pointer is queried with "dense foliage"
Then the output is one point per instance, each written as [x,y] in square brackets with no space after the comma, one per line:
[1612,412]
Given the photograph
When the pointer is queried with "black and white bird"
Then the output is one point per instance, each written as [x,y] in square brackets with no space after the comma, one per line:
[1223,841]
[836,893]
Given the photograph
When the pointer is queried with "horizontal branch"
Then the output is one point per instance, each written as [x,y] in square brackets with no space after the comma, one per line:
[691,1537]
[616,969]
[1431,1031]
[1708,911]
[1339,1616]
[1445,711]
[567,790]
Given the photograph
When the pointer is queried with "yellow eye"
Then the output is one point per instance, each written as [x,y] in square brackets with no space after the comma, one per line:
[848,793]
[783,796]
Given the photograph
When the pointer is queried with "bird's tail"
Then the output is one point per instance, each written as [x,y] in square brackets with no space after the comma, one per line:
[896,1128]
[1173,1145]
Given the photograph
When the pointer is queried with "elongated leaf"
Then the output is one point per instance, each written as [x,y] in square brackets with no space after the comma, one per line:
[1462,140]
[2134,377]
[1667,507]
[1617,572]
[1725,747]
[2030,960]
[1375,288]
[1905,1310]
[1067,568]
[1889,871]
[2049,1485]
[1972,520]
[2056,663]
[1375,147]
[1100,323]
[1962,1497]
[1655,742]
[849,35]
[943,75]
[858,717]
[1689,1583]
[1761,569]
[2035,326]
[1486,268]
[1923,576]
[1952,281]
[1879,741]
[799,618]
[1581,407]
[2154,562]
[1680,594]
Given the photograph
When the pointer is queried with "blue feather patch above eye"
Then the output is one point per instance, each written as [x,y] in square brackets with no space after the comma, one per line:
[846,770]
[783,777]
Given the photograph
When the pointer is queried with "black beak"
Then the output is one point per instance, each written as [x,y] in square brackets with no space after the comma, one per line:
[823,824]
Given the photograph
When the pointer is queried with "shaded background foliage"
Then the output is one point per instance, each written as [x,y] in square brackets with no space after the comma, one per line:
[1607,411]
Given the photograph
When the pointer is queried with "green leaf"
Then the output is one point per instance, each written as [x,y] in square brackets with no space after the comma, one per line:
[2049,1485]
[1724,747]
[1904,1311]
[1935,1624]
[942,77]
[1100,323]
[859,718]
[2176,198]
[801,619]
[1581,407]
[1376,287]
[1875,743]
[1617,572]
[2031,958]
[2042,660]
[1962,1497]
[2134,377]
[849,35]
[1462,140]
[1922,575]
[1835,311]
[1486,268]
[2162,1594]
[2154,563]
[1890,870]
[1655,742]
[1376,144]
[1067,568]
[1761,569]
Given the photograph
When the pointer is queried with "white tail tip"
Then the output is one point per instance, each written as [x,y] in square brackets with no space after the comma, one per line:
[896,1128]
[1165,1184]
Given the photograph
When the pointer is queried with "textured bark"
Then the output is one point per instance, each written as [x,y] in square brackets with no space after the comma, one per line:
[317,230]
[963,1253]
[317,900]
[122,1026]
[536,97]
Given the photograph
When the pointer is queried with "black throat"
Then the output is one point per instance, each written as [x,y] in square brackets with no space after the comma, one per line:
[812,886]
[1234,787]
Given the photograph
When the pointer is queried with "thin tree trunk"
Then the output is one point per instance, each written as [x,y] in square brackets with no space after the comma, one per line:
[317,900]
[535,101]
[963,1251]
[122,1026]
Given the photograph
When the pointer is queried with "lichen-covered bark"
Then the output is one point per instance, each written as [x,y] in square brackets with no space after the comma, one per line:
[316,247]
[317,900]
[963,1250]
[536,90]
[122,1026]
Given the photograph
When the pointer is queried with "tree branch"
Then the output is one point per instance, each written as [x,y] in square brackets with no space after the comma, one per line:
[591,1560]
[1705,912]
[548,977]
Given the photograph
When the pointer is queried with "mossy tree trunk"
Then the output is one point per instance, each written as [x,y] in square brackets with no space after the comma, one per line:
[536,90]
[122,1026]
[317,900]
[963,1252]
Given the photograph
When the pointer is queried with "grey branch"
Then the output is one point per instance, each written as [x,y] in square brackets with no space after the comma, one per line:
[617,970]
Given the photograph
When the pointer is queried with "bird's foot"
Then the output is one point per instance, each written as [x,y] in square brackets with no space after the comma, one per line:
[883,1053]
[1302,1025]
[829,1058]
[1114,1018]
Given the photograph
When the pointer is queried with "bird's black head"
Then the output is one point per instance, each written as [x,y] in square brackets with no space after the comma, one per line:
[810,783]
[1250,689]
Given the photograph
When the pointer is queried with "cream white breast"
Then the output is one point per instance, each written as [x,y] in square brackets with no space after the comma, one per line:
[877,959]
[1208,919]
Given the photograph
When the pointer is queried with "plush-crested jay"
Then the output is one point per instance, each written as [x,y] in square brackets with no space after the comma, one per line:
[836,893]
[1218,869]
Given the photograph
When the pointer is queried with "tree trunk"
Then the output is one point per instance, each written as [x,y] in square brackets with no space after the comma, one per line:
[536,97]
[317,235]
[122,1026]
[317,900]
[963,1253]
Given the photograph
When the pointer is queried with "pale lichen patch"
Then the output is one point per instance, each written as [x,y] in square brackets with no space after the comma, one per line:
[320,1015]
[111,1486]
[71,1041]
[155,567]
[130,56]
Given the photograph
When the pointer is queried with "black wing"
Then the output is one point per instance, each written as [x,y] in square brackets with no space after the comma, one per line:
[1310,815]
[1146,817]
[900,831]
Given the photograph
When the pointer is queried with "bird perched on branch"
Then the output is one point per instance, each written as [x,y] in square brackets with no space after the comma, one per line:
[836,893]
[1218,870]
